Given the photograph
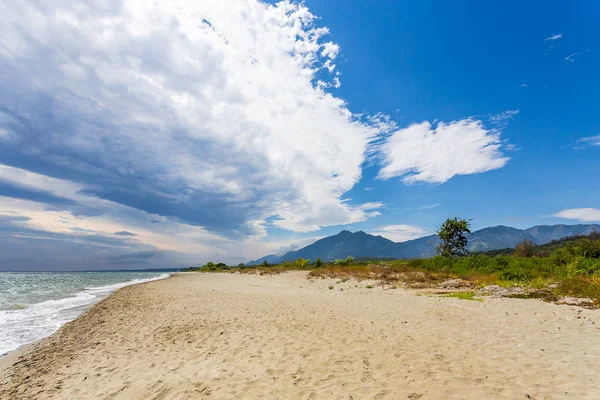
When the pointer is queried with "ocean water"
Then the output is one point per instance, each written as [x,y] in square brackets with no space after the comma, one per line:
[35,304]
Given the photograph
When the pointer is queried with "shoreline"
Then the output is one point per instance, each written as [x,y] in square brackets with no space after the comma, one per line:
[9,357]
[243,336]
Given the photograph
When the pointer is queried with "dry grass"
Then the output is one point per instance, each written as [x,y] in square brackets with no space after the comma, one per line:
[384,273]
[270,270]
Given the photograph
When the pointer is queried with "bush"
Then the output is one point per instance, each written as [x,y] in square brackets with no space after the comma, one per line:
[210,266]
[515,274]
[347,261]
[301,263]
[525,249]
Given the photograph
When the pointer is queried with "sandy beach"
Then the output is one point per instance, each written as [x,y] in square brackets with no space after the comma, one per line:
[224,336]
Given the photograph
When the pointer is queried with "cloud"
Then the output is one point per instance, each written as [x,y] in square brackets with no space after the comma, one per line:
[588,141]
[400,233]
[549,49]
[503,118]
[205,113]
[555,37]
[72,248]
[574,56]
[580,214]
[140,257]
[428,206]
[523,85]
[330,50]
[124,233]
[423,153]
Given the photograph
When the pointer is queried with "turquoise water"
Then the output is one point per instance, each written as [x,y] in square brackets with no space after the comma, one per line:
[35,304]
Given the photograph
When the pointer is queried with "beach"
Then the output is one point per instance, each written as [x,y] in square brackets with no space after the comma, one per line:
[231,336]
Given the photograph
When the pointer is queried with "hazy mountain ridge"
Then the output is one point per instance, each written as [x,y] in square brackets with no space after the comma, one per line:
[361,244]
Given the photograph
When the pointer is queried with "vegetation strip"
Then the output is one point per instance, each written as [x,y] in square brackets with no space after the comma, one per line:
[563,270]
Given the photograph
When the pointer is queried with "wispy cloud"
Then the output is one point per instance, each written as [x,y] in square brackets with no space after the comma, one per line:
[424,153]
[523,85]
[503,118]
[554,37]
[587,142]
[574,56]
[580,214]
[400,232]
[548,49]
[428,206]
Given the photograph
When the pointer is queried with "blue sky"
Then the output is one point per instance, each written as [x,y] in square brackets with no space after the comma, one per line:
[139,135]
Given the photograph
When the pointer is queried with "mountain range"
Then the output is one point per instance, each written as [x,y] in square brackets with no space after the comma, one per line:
[361,244]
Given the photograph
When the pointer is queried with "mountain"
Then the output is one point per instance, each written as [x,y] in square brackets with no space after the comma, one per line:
[271,259]
[543,234]
[342,245]
[361,244]
[497,237]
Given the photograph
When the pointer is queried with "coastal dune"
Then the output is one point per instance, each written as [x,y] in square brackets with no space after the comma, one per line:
[229,336]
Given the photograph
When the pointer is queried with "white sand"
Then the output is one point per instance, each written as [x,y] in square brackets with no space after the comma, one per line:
[223,336]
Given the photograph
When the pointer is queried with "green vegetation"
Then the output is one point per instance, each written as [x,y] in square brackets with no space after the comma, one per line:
[453,238]
[318,263]
[462,295]
[347,261]
[569,267]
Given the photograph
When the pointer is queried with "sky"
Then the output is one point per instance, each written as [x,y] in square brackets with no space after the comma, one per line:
[146,134]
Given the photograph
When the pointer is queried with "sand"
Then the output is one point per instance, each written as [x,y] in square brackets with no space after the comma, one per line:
[224,336]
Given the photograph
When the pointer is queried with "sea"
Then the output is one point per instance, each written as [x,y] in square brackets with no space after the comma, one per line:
[34,305]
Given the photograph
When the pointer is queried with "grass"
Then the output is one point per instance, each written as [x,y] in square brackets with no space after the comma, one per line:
[462,296]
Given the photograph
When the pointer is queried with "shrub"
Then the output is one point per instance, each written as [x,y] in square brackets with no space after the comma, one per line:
[301,263]
[318,263]
[525,249]
[347,261]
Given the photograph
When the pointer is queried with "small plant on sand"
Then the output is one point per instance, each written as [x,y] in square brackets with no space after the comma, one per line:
[463,296]
[369,286]
[331,287]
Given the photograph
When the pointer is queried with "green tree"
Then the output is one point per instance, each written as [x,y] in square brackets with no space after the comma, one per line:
[453,237]
[318,262]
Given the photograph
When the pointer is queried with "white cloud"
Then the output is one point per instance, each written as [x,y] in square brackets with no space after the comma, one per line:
[503,118]
[555,37]
[588,141]
[422,153]
[330,50]
[580,214]
[207,107]
[428,206]
[572,57]
[523,85]
[400,233]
